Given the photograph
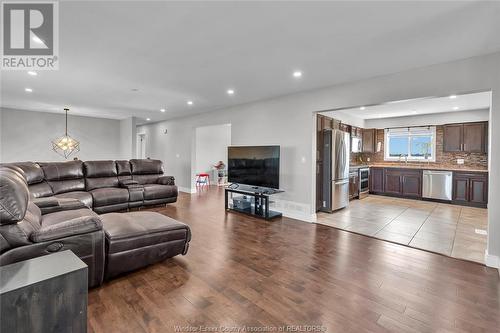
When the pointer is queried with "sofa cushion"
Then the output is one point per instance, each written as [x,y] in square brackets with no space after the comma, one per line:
[32,171]
[84,197]
[146,179]
[146,166]
[109,196]
[62,170]
[40,190]
[68,228]
[64,176]
[133,230]
[65,215]
[156,191]
[70,185]
[96,169]
[94,183]
[14,196]
[123,168]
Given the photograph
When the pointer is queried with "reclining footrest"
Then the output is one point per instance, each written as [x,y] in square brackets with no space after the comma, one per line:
[137,239]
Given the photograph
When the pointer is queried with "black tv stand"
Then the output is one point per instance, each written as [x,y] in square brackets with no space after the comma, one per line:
[256,205]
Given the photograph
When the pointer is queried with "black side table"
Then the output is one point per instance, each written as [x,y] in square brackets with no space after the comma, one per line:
[44,294]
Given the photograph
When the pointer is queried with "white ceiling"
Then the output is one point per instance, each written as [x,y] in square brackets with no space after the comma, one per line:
[178,51]
[413,107]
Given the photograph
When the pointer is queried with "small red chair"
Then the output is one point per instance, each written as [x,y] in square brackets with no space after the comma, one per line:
[202,179]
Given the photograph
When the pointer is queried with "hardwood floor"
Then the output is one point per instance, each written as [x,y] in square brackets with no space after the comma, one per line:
[242,271]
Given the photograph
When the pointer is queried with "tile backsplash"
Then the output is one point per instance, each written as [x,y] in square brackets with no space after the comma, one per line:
[477,161]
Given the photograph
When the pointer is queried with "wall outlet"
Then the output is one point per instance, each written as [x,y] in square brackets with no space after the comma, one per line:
[460,161]
[368,159]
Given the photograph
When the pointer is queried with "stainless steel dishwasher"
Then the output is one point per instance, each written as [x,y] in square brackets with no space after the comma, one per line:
[437,184]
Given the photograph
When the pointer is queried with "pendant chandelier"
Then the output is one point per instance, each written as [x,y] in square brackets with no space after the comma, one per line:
[66,145]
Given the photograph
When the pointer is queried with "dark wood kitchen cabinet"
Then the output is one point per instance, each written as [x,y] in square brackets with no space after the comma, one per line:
[377,180]
[411,183]
[369,138]
[468,137]
[404,182]
[392,181]
[470,188]
[475,137]
[396,182]
[452,137]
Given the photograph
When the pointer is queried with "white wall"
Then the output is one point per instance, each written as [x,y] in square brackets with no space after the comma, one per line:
[27,136]
[128,134]
[430,119]
[289,122]
[211,146]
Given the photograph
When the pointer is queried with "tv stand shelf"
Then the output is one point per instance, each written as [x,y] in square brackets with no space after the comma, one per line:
[252,201]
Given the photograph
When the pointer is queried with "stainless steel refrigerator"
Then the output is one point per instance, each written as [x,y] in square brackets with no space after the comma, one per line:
[336,149]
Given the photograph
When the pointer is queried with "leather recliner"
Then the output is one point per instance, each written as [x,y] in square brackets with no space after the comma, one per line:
[26,233]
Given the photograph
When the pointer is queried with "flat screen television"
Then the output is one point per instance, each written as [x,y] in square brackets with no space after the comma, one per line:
[254,165]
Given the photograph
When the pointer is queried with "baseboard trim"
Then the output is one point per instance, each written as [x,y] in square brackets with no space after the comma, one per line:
[492,261]
[186,189]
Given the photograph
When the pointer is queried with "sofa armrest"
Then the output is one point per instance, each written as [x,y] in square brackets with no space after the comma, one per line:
[46,202]
[166,180]
[76,226]
[52,204]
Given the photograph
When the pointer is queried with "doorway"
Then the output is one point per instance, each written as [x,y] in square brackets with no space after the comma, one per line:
[141,145]
[210,155]
[427,161]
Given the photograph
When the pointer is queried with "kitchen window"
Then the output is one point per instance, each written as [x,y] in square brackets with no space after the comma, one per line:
[410,143]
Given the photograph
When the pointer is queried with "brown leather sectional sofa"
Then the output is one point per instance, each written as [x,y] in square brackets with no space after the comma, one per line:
[104,186]
[110,244]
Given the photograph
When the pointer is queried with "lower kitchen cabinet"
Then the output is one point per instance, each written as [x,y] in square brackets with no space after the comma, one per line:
[392,182]
[396,182]
[377,180]
[470,188]
[411,184]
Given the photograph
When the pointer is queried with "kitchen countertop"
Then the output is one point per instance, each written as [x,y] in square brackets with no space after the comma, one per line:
[355,167]
[427,167]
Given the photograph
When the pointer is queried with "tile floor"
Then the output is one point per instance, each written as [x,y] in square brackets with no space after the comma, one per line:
[455,231]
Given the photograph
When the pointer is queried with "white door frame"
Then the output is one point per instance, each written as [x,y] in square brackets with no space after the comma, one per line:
[141,145]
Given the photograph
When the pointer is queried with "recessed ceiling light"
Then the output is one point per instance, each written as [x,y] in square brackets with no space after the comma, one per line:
[297,74]
[230,92]
[162,110]
[38,40]
[189,102]
[362,108]
[148,119]
[453,96]
[28,89]
[32,73]
[414,111]
[455,108]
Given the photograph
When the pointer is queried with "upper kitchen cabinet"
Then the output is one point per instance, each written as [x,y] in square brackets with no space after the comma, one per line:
[469,137]
[452,137]
[475,137]
[369,138]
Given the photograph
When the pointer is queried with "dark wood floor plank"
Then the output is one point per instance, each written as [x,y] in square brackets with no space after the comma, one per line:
[246,271]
